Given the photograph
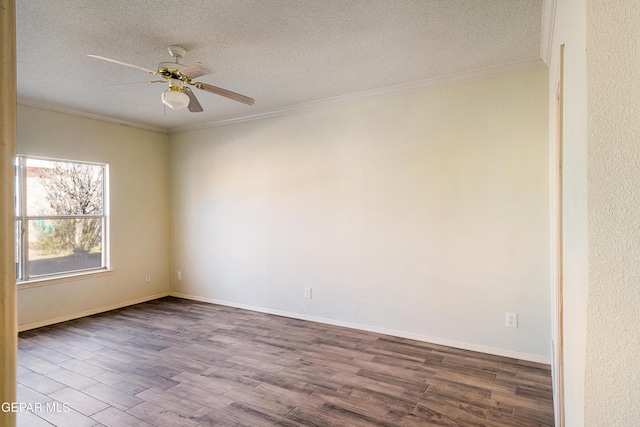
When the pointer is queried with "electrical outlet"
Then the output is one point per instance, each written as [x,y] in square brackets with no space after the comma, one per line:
[147,278]
[512,320]
[307,292]
[179,275]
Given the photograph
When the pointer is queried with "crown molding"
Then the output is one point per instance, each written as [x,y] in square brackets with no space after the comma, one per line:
[85,115]
[418,86]
[389,90]
[546,37]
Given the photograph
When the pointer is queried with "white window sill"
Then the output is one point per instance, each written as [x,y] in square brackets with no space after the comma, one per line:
[71,277]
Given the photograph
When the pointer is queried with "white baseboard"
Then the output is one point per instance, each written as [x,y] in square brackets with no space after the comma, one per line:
[60,319]
[376,329]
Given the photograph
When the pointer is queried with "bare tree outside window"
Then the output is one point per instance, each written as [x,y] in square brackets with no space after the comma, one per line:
[73,189]
[63,216]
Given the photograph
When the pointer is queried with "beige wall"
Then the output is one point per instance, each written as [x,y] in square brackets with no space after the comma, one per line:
[423,214]
[139,213]
[612,374]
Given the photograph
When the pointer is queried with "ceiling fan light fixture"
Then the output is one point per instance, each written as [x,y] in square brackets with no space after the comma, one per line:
[175,98]
[179,96]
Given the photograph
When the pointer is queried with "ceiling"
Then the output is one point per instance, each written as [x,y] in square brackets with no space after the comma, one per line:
[284,53]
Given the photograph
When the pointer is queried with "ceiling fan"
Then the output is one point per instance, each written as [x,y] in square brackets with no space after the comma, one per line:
[179,95]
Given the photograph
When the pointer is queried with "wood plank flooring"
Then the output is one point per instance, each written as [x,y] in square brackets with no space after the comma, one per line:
[174,362]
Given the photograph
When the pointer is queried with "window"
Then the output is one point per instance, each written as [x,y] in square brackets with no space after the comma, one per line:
[61,217]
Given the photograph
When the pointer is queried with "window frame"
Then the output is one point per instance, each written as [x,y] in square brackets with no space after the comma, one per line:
[22,220]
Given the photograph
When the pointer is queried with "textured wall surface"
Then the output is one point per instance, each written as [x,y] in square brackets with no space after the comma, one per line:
[612,390]
[423,213]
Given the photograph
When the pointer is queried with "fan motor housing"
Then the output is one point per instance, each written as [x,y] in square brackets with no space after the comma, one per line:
[169,70]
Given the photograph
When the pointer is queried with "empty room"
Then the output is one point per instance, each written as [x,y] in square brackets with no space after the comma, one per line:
[305,213]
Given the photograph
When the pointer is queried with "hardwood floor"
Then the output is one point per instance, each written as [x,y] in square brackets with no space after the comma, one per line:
[174,362]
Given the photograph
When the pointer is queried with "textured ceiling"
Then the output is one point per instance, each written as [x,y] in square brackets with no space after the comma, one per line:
[283,53]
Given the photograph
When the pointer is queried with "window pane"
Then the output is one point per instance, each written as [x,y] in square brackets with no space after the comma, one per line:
[17,196]
[64,245]
[18,237]
[63,188]
[60,217]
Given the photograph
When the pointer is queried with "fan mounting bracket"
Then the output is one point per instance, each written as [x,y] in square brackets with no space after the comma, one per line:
[177,51]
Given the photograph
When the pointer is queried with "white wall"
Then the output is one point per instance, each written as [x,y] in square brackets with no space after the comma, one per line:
[602,201]
[612,374]
[570,30]
[422,214]
[139,213]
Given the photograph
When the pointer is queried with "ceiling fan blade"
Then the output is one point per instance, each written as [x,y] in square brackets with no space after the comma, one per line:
[224,92]
[123,63]
[136,83]
[194,106]
[195,70]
